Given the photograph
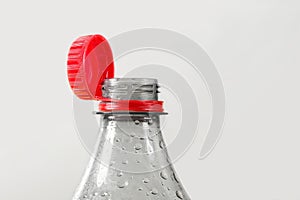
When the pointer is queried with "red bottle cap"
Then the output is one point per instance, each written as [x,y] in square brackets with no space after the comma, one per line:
[90,62]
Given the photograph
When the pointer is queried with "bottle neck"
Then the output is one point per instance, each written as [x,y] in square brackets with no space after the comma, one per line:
[132,143]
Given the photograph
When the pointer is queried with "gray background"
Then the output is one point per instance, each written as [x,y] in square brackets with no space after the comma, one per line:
[254,44]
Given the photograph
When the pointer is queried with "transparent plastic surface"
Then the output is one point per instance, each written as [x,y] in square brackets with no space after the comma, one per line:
[130,162]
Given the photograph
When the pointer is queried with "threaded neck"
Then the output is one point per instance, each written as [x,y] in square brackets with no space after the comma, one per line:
[130,89]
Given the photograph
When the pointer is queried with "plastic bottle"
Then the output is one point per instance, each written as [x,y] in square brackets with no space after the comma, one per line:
[130,161]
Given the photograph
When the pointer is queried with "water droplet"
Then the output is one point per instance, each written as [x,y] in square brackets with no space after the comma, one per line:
[123,148]
[122,184]
[146,180]
[95,194]
[164,175]
[176,178]
[137,122]
[161,144]
[85,196]
[120,174]
[138,146]
[140,189]
[154,191]
[179,194]
[125,162]
[150,122]
[118,140]
[138,161]
[104,194]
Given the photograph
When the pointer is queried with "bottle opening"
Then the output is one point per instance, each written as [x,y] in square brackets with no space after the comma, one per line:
[130,94]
